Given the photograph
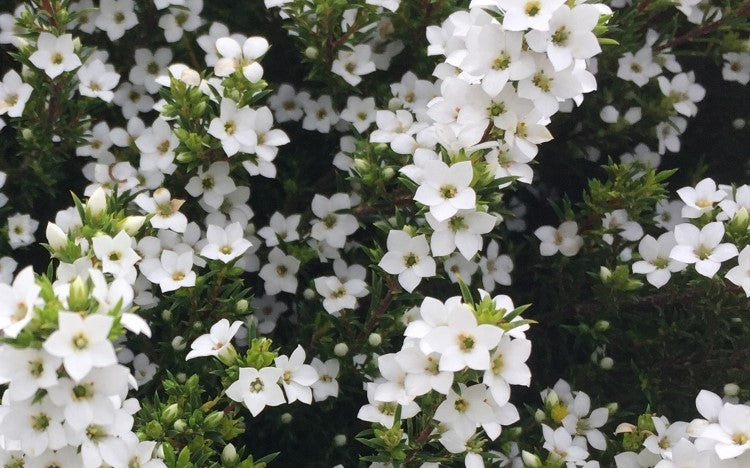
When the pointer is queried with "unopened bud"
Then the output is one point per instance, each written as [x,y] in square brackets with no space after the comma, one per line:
[166,315]
[214,419]
[613,407]
[132,224]
[180,425]
[311,52]
[530,460]
[340,349]
[540,415]
[601,325]
[97,202]
[374,339]
[229,455]
[308,294]
[178,343]
[56,237]
[606,363]
[731,389]
[170,413]
[241,306]
[286,418]
[78,294]
[339,440]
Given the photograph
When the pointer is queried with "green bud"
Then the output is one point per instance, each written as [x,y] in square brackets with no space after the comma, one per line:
[27,134]
[374,339]
[312,53]
[340,349]
[180,425]
[241,306]
[540,415]
[601,325]
[228,355]
[214,419]
[154,430]
[613,407]
[78,295]
[388,173]
[170,413]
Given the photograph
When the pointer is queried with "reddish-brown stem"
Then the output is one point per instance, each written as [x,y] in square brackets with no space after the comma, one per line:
[703,30]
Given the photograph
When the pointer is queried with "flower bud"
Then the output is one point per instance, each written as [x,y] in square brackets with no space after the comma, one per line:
[154,430]
[540,415]
[731,389]
[606,363]
[78,294]
[601,325]
[241,306]
[339,440]
[388,173]
[132,224]
[166,315]
[308,294]
[340,349]
[394,104]
[180,425]
[311,52]
[552,399]
[530,460]
[229,455]
[170,413]
[56,238]
[374,339]
[97,202]
[214,419]
[178,343]
[613,407]
[181,377]
[286,418]
[27,134]
[228,355]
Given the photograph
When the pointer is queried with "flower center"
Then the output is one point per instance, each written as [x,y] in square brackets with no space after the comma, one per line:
[461,405]
[501,62]
[57,58]
[448,191]
[558,412]
[39,422]
[740,438]
[560,37]
[410,260]
[532,8]
[466,342]
[80,341]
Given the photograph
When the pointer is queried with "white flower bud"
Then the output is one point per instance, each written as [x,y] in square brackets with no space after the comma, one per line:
[339,440]
[132,224]
[340,349]
[166,315]
[181,377]
[229,455]
[394,104]
[286,418]
[311,52]
[539,415]
[308,294]
[601,325]
[739,124]
[97,202]
[374,339]
[178,343]
[56,238]
[530,460]
[731,389]
[606,363]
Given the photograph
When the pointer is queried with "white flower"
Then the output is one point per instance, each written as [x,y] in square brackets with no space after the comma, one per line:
[172,271]
[701,199]
[280,273]
[508,367]
[319,114]
[496,55]
[332,227]
[216,342]
[446,189]
[564,239]
[225,244]
[297,377]
[257,388]
[731,432]
[409,258]
[245,58]
[215,184]
[165,210]
[269,139]
[327,385]
[422,373]
[17,302]
[157,144]
[462,342]
[667,435]
[668,134]
[97,81]
[359,112]
[82,343]
[21,228]
[656,264]
[740,275]
[462,412]
[235,128]
[619,221]
[37,426]
[55,55]
[14,94]
[495,268]
[280,228]
[463,230]
[668,214]
[116,254]
[26,371]
[639,67]
[338,294]
[560,442]
[683,92]
[736,67]
[115,17]
[352,64]
[702,247]
[576,421]
[528,14]
[569,35]
[456,266]
[179,20]
[384,412]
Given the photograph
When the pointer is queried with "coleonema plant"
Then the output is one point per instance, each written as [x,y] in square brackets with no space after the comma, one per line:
[377,233]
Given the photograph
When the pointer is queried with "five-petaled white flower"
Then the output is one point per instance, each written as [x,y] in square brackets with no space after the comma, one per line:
[82,343]
[257,388]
